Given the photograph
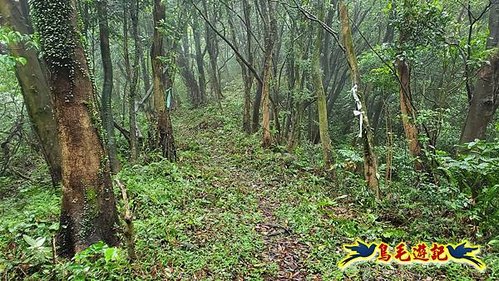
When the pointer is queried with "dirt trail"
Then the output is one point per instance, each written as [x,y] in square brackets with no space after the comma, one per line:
[282,246]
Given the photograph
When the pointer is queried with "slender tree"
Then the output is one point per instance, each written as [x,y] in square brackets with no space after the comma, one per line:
[321,97]
[199,60]
[164,129]
[132,95]
[407,110]
[268,9]
[107,89]
[370,160]
[213,50]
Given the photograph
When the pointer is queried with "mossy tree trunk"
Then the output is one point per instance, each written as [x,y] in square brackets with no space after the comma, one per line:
[164,130]
[370,160]
[317,81]
[88,212]
[33,80]
[107,89]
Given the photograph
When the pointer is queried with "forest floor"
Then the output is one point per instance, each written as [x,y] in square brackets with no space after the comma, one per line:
[230,210]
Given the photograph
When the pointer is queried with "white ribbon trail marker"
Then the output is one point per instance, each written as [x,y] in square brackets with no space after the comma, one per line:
[358,112]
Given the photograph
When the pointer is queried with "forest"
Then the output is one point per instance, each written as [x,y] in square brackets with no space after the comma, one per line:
[249,140]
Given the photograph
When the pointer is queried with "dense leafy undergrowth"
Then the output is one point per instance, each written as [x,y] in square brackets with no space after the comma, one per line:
[201,218]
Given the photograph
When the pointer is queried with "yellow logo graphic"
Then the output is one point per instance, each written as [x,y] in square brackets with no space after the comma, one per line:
[420,253]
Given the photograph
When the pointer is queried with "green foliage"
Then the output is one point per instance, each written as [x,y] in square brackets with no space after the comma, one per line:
[375,71]
[476,170]
[29,220]
[420,23]
[9,37]
[97,262]
[200,218]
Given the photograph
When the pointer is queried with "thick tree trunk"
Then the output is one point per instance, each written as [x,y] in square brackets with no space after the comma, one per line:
[164,130]
[257,103]
[107,89]
[88,213]
[485,99]
[370,160]
[33,81]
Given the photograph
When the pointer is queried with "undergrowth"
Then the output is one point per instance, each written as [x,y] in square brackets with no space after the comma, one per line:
[197,219]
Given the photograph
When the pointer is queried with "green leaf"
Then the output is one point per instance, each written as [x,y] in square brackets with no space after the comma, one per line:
[22,60]
[39,242]
[29,240]
[110,254]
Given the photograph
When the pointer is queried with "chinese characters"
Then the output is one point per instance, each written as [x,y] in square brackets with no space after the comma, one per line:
[421,253]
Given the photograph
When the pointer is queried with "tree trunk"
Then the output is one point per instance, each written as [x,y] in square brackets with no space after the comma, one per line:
[199,62]
[132,95]
[186,73]
[408,114]
[370,160]
[107,89]
[128,77]
[33,81]
[164,130]
[247,75]
[88,213]
[268,8]
[325,140]
[407,110]
[212,48]
[485,99]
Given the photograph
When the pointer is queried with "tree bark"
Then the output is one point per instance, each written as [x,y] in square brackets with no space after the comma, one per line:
[164,130]
[107,89]
[88,213]
[33,80]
